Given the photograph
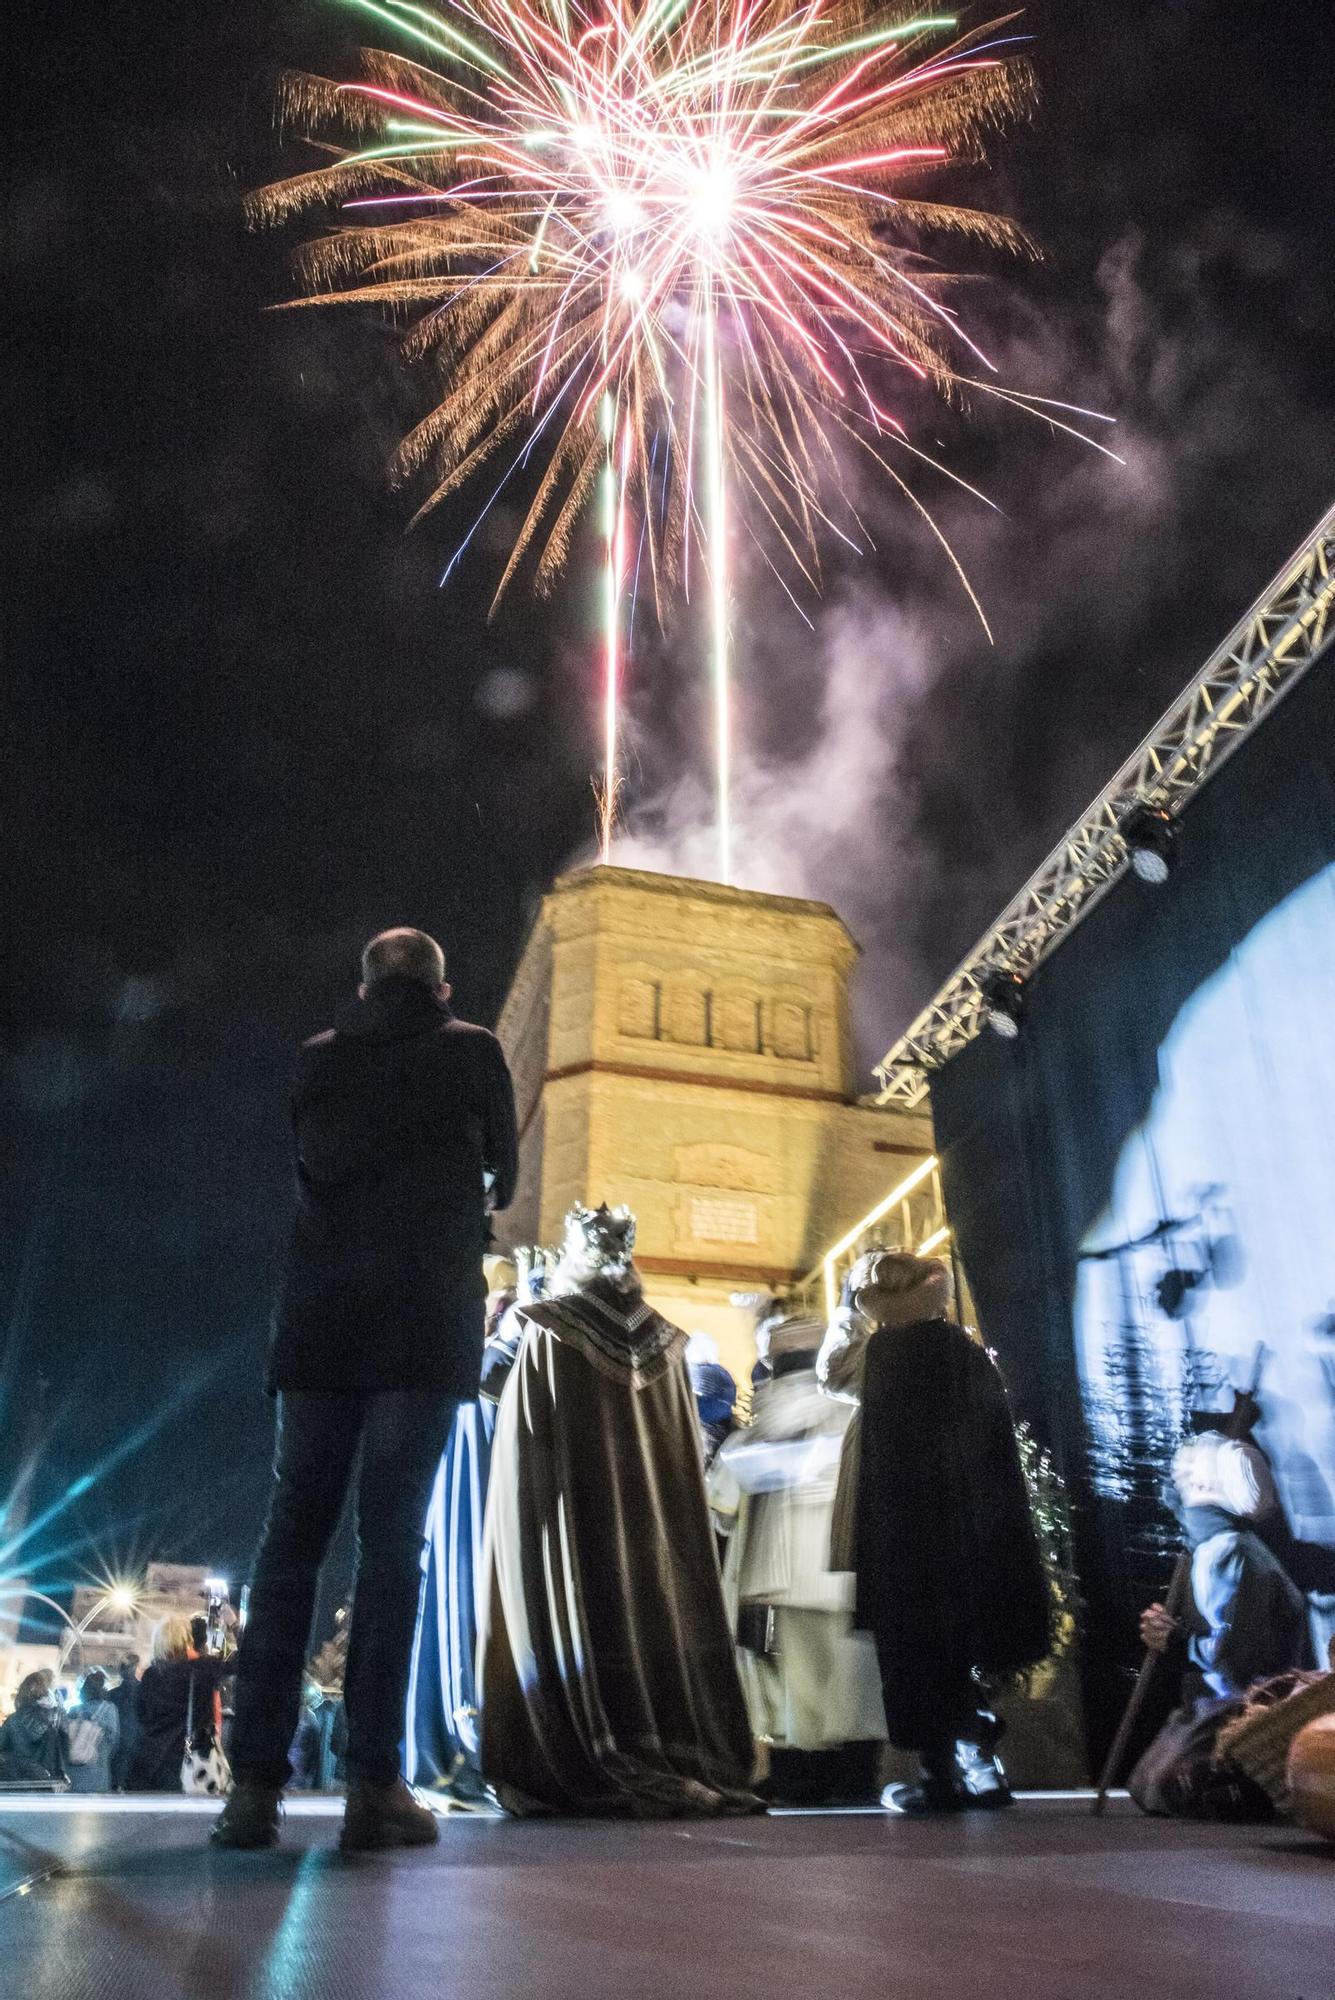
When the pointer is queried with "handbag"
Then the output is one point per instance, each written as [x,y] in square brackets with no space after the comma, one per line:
[85,1740]
[205,1771]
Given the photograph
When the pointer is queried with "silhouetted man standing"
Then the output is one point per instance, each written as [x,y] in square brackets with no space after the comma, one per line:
[405,1137]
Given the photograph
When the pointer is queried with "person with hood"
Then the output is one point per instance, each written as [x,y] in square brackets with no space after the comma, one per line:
[932,1516]
[609,1685]
[404,1123]
[811,1681]
[715,1393]
[34,1742]
[94,1734]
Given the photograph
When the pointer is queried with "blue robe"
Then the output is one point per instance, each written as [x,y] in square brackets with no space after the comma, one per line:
[442,1739]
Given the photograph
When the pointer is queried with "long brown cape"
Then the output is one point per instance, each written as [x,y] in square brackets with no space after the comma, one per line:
[608,1679]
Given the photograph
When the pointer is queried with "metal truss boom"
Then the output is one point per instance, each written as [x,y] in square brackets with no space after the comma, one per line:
[1282,635]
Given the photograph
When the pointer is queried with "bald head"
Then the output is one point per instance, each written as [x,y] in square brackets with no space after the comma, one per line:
[403,954]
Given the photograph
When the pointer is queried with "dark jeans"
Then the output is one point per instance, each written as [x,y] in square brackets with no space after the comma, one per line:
[401,1436]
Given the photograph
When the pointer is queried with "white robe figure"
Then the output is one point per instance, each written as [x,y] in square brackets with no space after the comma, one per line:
[771,1488]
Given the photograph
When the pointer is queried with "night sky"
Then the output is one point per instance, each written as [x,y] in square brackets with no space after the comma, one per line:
[243,728]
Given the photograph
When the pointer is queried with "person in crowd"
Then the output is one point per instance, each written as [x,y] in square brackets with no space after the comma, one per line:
[94,1735]
[1244,1624]
[609,1683]
[123,1695]
[811,1682]
[715,1393]
[306,1751]
[178,1691]
[329,1669]
[34,1743]
[932,1516]
[331,1741]
[199,1634]
[443,1697]
[404,1125]
[1247,1618]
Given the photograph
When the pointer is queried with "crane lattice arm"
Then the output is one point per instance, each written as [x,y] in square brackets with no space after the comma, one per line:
[1283,635]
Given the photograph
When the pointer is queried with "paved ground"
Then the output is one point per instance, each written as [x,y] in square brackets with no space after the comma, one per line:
[1039,1904]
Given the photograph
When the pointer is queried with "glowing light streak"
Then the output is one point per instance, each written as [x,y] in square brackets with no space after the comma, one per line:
[615,475]
[717,516]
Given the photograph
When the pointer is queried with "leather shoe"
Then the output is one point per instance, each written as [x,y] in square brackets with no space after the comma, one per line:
[380,1816]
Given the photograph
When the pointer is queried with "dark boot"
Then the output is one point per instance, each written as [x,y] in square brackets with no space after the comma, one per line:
[379,1816]
[250,1817]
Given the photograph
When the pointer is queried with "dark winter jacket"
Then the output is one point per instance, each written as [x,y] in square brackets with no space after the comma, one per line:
[34,1745]
[398,1114]
[949,1574]
[162,1704]
[123,1698]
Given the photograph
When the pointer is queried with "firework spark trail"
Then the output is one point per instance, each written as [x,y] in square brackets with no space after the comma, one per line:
[615,476]
[717,520]
[660,239]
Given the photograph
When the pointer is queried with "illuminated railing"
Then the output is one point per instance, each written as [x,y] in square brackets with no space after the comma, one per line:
[911,1217]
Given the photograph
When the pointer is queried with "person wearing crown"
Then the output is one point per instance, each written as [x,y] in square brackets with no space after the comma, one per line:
[609,1685]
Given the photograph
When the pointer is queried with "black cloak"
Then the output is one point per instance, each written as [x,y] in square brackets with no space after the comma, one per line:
[949,1573]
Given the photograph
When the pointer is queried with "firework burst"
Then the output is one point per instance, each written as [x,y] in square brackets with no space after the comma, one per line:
[665,247]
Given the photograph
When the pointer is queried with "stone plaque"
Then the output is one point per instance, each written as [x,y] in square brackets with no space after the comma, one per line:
[724,1219]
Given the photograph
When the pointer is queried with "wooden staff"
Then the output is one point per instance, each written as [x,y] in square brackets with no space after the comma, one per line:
[1175,1603]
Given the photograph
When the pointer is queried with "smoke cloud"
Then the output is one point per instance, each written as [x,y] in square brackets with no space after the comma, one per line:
[898,765]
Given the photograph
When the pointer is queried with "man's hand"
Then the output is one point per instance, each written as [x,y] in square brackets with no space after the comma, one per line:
[1157,1629]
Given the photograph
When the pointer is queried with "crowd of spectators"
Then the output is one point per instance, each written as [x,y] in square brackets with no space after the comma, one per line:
[125,1729]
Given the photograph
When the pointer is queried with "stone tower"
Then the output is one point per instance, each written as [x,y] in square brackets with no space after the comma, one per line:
[687,1049]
